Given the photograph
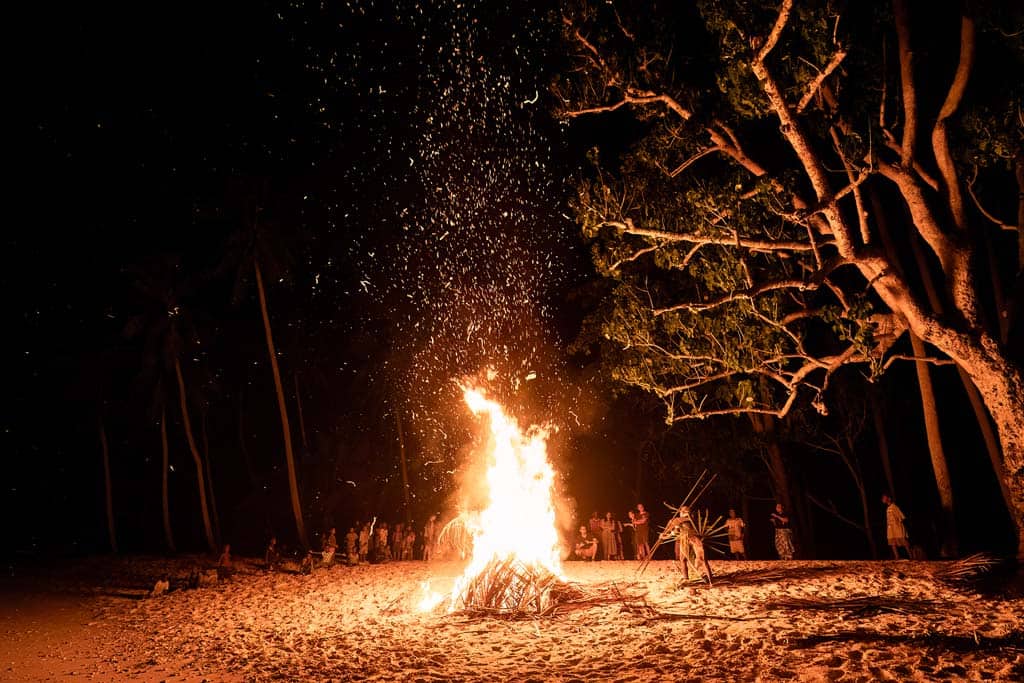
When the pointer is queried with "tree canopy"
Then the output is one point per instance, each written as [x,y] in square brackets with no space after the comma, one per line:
[801,174]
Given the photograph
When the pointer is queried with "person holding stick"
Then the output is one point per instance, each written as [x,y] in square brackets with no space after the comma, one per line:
[689,541]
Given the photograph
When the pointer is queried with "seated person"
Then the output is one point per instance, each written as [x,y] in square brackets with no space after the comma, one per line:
[329,547]
[224,568]
[306,567]
[225,557]
[586,545]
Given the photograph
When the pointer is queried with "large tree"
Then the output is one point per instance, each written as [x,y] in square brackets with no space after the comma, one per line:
[743,226]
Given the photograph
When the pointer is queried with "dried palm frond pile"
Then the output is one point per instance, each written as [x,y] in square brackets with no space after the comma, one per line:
[508,588]
[857,606]
[966,569]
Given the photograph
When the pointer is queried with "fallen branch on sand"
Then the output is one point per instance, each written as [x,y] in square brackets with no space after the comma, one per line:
[860,606]
[649,613]
[758,576]
[966,569]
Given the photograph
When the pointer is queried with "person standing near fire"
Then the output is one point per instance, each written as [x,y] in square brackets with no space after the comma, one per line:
[688,542]
[351,546]
[642,531]
[596,529]
[382,547]
[783,533]
[364,543]
[608,528]
[737,530]
[895,529]
[429,538]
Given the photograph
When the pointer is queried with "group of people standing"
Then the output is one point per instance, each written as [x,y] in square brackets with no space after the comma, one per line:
[895,530]
[368,542]
[603,538]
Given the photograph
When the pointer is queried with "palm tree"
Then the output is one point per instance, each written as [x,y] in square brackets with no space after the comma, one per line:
[164,324]
[166,507]
[251,249]
[111,533]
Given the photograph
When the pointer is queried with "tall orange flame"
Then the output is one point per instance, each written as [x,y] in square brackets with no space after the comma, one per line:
[519,520]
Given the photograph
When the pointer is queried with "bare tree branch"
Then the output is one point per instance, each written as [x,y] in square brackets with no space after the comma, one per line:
[696,157]
[917,359]
[741,295]
[986,213]
[627,226]
[940,137]
[780,23]
[909,90]
[832,65]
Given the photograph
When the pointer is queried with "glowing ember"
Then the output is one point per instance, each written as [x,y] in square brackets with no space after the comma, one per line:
[518,524]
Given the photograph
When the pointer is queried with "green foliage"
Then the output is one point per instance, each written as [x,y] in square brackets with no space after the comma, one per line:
[729,294]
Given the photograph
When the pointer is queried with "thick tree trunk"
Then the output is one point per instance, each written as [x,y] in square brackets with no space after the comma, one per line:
[940,468]
[293,484]
[765,426]
[107,489]
[1001,386]
[164,497]
[196,458]
[977,405]
[938,455]
[1018,172]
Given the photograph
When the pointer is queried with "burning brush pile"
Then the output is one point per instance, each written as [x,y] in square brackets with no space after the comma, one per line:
[515,567]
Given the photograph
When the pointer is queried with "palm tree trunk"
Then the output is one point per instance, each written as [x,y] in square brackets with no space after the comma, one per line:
[401,455]
[293,484]
[209,477]
[108,493]
[302,419]
[204,508]
[168,533]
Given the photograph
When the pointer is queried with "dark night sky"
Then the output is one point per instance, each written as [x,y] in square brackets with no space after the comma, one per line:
[409,162]
[419,186]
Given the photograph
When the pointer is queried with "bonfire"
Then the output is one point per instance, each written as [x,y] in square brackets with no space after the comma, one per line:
[515,564]
[515,567]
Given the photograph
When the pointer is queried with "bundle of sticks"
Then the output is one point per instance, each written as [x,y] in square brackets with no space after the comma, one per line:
[510,589]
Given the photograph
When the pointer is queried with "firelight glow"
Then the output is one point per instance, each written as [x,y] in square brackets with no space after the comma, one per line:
[519,520]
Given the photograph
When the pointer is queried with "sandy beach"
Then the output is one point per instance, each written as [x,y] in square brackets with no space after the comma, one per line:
[361,623]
